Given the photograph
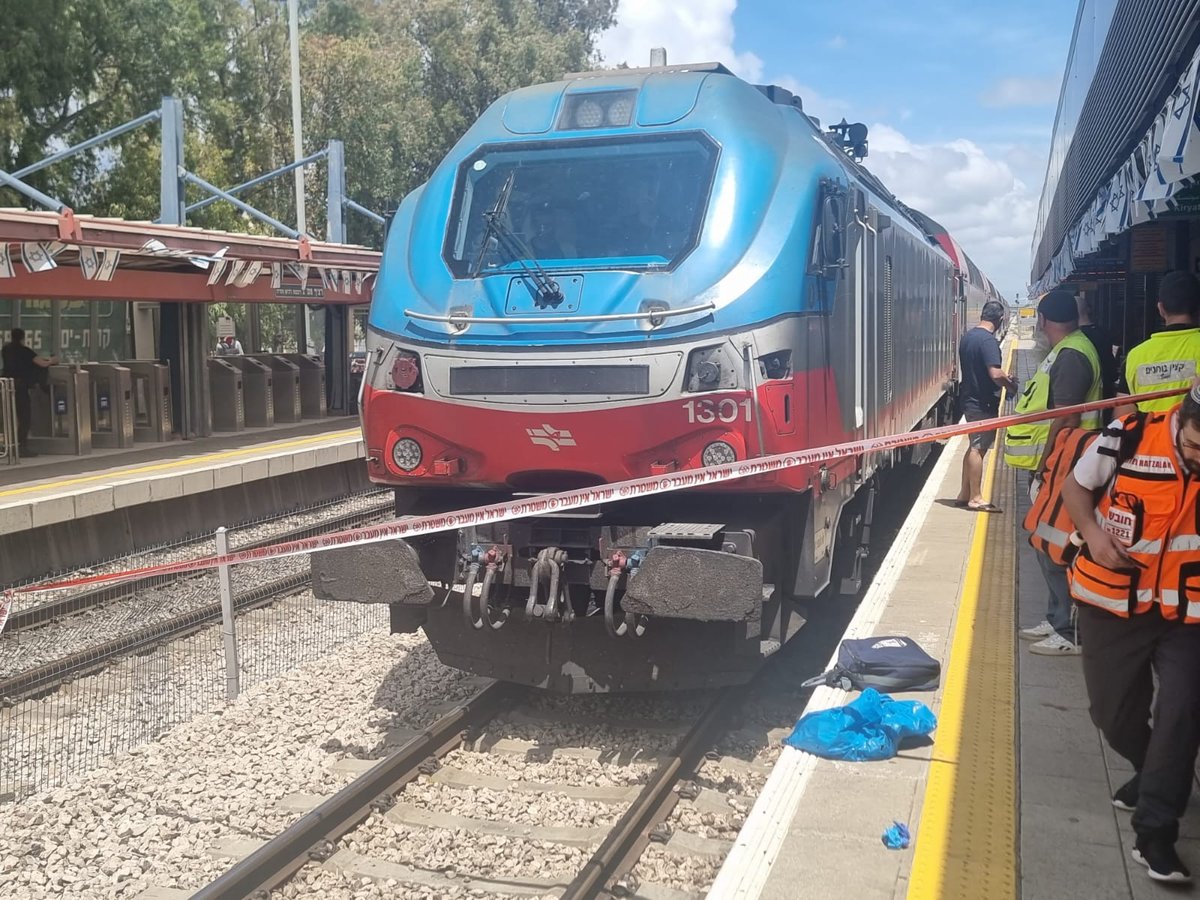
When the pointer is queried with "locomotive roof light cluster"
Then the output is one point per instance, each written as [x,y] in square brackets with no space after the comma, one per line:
[597,109]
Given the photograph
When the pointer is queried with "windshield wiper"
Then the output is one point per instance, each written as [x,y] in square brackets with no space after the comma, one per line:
[545,290]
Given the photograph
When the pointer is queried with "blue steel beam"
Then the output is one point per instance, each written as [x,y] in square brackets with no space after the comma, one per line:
[31,192]
[363,211]
[244,207]
[89,143]
[254,182]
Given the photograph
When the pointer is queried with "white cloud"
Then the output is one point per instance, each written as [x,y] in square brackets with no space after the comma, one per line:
[1022,92]
[700,31]
[976,195]
[837,42]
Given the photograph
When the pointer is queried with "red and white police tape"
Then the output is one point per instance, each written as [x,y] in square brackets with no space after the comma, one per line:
[568,500]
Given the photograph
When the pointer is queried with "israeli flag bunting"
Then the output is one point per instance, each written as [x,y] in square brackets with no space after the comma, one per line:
[98,264]
[109,259]
[347,275]
[249,274]
[38,256]
[217,270]
[235,272]
[6,266]
[276,276]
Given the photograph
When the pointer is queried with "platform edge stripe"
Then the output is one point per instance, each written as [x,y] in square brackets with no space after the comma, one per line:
[932,850]
[115,475]
[746,869]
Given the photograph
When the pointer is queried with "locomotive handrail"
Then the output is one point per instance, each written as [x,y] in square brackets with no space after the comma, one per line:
[462,320]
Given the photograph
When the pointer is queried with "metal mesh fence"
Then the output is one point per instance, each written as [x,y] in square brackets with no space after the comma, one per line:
[84,677]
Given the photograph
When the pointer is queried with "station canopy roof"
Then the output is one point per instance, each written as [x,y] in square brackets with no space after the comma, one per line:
[60,255]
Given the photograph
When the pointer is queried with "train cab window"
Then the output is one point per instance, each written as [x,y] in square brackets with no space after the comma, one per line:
[629,203]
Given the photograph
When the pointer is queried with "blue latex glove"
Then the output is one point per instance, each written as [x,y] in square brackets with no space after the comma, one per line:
[896,837]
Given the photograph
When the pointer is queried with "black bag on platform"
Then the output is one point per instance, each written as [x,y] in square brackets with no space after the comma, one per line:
[888,662]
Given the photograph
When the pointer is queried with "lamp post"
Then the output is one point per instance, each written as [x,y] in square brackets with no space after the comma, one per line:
[297,134]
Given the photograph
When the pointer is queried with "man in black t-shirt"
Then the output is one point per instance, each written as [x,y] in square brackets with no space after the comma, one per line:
[979,398]
[21,364]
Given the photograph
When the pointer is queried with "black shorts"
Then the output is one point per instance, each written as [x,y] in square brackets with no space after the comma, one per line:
[980,440]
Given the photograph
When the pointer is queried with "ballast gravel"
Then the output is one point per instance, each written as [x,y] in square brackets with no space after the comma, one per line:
[151,816]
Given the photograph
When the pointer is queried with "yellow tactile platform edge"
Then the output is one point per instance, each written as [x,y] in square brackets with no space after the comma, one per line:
[119,473]
[967,838]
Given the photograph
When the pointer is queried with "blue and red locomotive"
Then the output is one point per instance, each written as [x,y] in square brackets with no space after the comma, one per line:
[627,273]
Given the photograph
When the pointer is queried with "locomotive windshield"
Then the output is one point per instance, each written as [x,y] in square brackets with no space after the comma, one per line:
[627,203]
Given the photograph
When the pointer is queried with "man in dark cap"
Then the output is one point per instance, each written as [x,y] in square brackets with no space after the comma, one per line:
[1070,374]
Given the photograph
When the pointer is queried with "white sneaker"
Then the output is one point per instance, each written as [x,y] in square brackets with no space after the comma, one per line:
[1042,630]
[1055,645]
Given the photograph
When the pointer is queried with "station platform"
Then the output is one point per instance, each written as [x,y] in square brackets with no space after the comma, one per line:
[58,512]
[1011,798]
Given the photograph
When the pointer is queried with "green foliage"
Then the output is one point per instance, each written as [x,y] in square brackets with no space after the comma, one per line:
[397,80]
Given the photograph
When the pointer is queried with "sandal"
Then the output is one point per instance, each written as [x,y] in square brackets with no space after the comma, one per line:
[983,507]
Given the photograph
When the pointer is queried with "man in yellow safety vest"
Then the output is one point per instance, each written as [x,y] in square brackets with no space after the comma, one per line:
[1168,358]
[1069,374]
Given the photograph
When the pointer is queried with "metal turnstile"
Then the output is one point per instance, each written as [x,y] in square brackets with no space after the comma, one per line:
[62,419]
[8,421]
[312,384]
[151,400]
[228,395]
[112,405]
[286,376]
[257,389]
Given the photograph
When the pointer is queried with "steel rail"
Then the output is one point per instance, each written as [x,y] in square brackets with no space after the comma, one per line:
[34,681]
[25,618]
[312,836]
[624,844]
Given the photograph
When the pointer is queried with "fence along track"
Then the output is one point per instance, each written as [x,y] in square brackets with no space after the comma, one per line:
[28,617]
[45,677]
[313,836]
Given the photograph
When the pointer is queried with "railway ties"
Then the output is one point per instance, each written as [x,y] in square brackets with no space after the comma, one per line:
[592,826]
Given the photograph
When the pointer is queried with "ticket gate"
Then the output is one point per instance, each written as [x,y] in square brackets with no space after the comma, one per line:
[111,405]
[286,378]
[312,384]
[151,400]
[257,390]
[228,395]
[62,419]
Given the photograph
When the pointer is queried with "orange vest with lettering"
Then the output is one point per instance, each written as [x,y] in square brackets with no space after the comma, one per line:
[1151,508]
[1048,523]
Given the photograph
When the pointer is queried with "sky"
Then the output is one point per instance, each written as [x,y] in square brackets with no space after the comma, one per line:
[959,96]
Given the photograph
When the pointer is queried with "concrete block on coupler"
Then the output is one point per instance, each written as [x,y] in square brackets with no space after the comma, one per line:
[689,583]
[383,572]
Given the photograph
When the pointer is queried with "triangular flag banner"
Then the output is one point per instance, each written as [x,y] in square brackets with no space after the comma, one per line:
[89,262]
[109,258]
[218,269]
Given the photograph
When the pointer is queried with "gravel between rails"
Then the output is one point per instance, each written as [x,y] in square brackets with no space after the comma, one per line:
[150,816]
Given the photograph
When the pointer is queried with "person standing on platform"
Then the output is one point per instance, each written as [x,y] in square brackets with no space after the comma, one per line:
[1069,374]
[1136,580]
[1168,359]
[1102,340]
[21,364]
[982,378]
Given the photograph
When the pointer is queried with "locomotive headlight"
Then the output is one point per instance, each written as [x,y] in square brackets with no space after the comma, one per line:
[718,453]
[407,454]
[589,114]
[620,111]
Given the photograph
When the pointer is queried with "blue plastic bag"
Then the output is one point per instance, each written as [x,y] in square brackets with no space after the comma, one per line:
[870,727]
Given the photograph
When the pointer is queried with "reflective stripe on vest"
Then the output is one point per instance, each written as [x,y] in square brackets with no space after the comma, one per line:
[1165,360]
[1047,520]
[1152,511]
[1025,444]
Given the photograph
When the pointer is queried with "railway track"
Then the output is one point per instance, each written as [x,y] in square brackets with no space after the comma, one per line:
[38,679]
[314,837]
[24,618]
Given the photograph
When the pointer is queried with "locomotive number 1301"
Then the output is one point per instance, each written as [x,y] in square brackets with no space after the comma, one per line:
[727,411]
